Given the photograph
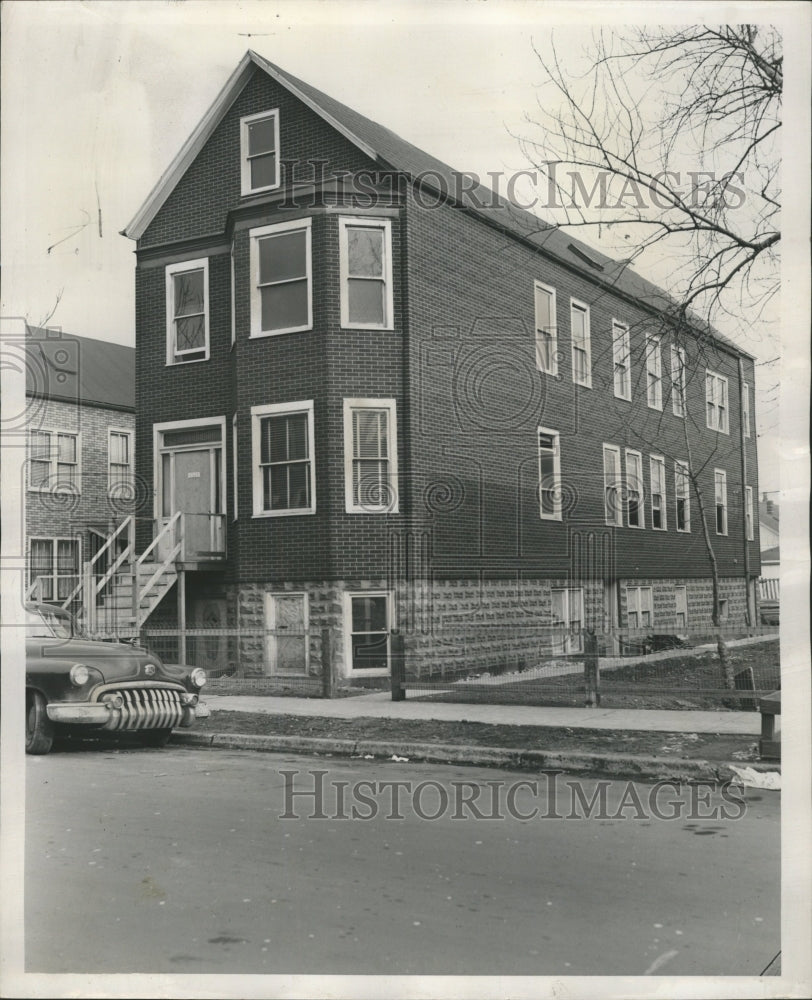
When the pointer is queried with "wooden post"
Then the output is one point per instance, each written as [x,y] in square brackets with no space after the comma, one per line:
[88,598]
[398,661]
[591,670]
[182,615]
[328,684]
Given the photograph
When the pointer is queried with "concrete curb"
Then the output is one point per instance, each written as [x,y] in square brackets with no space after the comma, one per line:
[614,765]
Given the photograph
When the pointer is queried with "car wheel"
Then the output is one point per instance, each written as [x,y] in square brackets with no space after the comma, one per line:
[154,737]
[39,730]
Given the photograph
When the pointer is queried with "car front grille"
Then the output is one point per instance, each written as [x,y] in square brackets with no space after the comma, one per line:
[145,707]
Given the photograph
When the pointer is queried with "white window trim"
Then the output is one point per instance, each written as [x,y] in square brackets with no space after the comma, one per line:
[272,632]
[573,642]
[654,366]
[372,404]
[678,381]
[684,589]
[618,486]
[717,378]
[53,458]
[548,290]
[637,593]
[245,169]
[577,304]
[158,451]
[361,221]
[274,410]
[723,475]
[659,461]
[556,515]
[201,263]
[391,624]
[234,465]
[681,467]
[620,337]
[746,408]
[748,513]
[54,546]
[635,455]
[256,298]
[131,451]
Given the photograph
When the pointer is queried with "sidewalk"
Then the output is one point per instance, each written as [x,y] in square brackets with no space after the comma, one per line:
[379,705]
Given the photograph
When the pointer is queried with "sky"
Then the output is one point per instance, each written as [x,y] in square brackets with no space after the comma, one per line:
[99,97]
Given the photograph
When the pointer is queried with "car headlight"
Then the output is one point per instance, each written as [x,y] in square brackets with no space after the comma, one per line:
[79,674]
[198,677]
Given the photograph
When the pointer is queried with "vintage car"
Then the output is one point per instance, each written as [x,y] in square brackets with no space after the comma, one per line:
[77,683]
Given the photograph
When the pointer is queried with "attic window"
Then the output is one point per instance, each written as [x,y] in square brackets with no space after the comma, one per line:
[259,150]
[584,257]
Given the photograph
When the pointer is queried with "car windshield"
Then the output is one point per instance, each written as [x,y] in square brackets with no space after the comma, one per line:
[44,623]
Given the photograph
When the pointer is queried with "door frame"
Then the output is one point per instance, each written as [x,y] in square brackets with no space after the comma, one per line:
[270,630]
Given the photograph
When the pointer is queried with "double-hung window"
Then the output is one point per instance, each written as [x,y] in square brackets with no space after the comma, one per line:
[187,311]
[639,607]
[282,459]
[568,617]
[621,356]
[746,408]
[581,343]
[53,461]
[370,456]
[55,563]
[119,460]
[612,486]
[682,496]
[368,621]
[549,474]
[546,329]
[748,511]
[654,372]
[365,260]
[678,380]
[259,148]
[716,402]
[720,499]
[281,279]
[658,503]
[635,504]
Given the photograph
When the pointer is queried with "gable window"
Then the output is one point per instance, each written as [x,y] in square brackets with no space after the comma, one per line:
[621,356]
[639,607]
[720,491]
[658,504]
[281,279]
[678,381]
[654,372]
[55,563]
[612,486]
[682,496]
[368,620]
[365,258]
[748,511]
[716,402]
[119,459]
[568,616]
[581,347]
[53,461]
[546,329]
[634,489]
[187,311]
[259,146]
[370,456]
[282,458]
[549,474]
[746,408]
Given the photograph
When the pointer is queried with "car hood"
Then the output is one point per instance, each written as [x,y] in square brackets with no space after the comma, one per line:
[115,661]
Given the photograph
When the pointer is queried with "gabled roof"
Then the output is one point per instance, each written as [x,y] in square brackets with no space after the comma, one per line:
[772,555]
[73,369]
[393,153]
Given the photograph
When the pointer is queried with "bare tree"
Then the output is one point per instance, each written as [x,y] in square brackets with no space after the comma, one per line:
[666,146]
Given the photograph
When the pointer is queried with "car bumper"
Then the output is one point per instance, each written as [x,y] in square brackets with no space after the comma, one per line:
[123,718]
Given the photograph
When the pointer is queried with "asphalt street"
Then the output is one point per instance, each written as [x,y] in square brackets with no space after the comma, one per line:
[178,861]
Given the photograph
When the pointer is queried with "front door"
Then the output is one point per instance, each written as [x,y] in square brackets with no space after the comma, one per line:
[190,484]
[286,647]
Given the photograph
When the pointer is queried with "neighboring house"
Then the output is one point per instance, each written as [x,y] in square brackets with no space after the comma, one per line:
[369,401]
[770,581]
[80,403]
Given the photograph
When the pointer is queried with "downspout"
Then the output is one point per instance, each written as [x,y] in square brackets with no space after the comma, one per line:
[742,441]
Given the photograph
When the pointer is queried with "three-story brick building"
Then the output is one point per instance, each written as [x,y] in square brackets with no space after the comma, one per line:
[383,400]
